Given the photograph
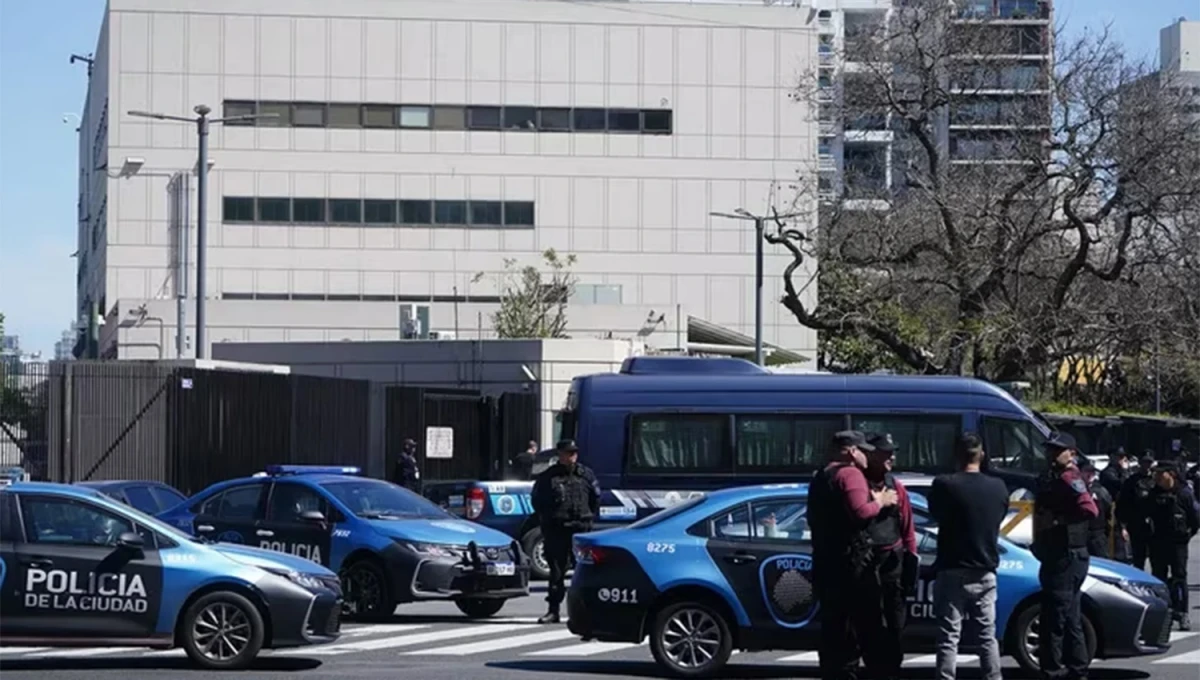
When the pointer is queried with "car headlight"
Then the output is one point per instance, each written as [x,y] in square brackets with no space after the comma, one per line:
[302,580]
[1139,589]
[436,549]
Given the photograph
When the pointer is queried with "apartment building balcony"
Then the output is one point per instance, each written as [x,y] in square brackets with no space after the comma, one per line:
[1007,11]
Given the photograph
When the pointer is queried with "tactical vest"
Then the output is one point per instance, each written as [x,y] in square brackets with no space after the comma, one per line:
[572,495]
[1169,517]
[1052,533]
[883,530]
[839,538]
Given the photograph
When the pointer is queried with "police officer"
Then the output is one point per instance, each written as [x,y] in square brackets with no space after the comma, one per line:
[1116,472]
[566,499]
[407,472]
[521,465]
[1100,529]
[1173,522]
[1133,510]
[1062,509]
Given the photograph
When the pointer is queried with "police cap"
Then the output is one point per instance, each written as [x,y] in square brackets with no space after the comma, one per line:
[1146,462]
[567,446]
[883,443]
[852,438]
[1086,465]
[1061,441]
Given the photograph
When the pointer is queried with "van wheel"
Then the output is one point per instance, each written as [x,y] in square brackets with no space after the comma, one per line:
[222,631]
[1026,636]
[367,595]
[535,547]
[476,608]
[690,640]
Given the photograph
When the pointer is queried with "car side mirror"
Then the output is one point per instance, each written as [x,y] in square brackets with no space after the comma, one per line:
[314,516]
[131,541]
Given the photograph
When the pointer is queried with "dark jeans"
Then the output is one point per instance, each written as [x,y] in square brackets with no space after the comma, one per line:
[1139,548]
[862,615]
[1062,651]
[1168,562]
[557,540]
[840,616]
[883,651]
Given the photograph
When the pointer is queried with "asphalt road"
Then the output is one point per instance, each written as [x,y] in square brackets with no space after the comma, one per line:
[434,642]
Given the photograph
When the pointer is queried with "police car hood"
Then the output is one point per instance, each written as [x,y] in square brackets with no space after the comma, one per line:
[1108,570]
[269,559]
[441,531]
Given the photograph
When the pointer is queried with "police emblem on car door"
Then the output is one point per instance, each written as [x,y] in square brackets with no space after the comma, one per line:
[292,523]
[81,570]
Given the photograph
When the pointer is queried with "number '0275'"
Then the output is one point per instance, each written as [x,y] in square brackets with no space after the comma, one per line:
[618,595]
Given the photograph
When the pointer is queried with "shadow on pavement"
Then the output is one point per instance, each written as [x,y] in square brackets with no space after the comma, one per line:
[646,669]
[266,663]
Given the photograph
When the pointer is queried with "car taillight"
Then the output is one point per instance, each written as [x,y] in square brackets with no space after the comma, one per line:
[475,500]
[590,554]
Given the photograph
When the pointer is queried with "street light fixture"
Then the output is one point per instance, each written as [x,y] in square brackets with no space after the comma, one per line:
[759,232]
[201,121]
[131,167]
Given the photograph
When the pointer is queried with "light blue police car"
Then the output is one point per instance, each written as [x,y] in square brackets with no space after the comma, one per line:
[732,570]
[81,569]
[389,545]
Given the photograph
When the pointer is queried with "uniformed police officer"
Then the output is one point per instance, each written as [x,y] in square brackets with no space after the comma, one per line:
[408,472]
[566,499]
[1062,509]
[1133,510]
[1100,529]
[1173,523]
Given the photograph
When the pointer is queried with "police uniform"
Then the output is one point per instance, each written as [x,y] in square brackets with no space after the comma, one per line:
[408,473]
[566,499]
[1173,523]
[1062,510]
[1133,510]
[1100,528]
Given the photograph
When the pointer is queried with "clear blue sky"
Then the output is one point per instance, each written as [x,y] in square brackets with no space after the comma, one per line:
[38,151]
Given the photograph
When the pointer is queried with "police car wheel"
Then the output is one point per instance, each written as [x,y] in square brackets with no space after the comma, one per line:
[479,608]
[222,631]
[1024,643]
[690,640]
[535,547]
[366,591]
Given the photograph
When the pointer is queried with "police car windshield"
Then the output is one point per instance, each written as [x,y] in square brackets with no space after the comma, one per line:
[374,499]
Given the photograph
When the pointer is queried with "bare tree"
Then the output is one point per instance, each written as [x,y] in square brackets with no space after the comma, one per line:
[533,304]
[1015,197]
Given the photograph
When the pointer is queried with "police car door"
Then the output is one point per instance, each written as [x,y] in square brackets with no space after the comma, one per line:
[73,576]
[10,536]
[764,550]
[920,626]
[230,516]
[286,529]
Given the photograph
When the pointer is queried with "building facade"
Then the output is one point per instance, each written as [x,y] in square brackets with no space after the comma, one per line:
[406,150]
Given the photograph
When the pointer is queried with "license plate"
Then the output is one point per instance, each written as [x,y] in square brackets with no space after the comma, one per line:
[501,569]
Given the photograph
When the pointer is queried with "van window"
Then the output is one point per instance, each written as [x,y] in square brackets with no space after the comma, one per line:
[1013,444]
[922,441]
[784,442]
[680,442]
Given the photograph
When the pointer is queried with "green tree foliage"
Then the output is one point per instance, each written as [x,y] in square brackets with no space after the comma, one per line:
[533,300]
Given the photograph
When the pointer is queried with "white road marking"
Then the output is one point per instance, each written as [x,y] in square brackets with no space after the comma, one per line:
[21,650]
[585,649]
[1177,635]
[376,629]
[1191,658]
[87,651]
[431,637]
[931,660]
[806,657]
[498,644]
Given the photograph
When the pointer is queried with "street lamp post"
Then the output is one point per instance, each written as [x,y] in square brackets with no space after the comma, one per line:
[201,121]
[759,233]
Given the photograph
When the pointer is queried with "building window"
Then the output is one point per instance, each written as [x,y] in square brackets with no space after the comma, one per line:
[656,121]
[377,211]
[450,212]
[483,118]
[554,120]
[449,118]
[236,209]
[518,213]
[414,116]
[274,210]
[308,210]
[520,118]
[308,115]
[345,115]
[624,120]
[487,213]
[280,114]
[379,116]
[590,120]
[416,212]
[233,109]
[345,210]
[596,294]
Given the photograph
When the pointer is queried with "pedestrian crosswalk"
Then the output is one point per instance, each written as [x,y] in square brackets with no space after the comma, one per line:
[501,638]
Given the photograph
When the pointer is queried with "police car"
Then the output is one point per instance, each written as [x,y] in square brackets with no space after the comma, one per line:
[732,570]
[149,497]
[389,545]
[80,569]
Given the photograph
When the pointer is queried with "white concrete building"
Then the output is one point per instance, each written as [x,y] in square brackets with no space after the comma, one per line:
[418,143]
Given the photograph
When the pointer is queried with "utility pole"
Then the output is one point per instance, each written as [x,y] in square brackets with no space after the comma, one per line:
[202,122]
[759,237]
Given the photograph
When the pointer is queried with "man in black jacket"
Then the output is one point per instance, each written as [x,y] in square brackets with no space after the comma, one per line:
[1101,534]
[1173,523]
[407,472]
[1133,507]
[566,499]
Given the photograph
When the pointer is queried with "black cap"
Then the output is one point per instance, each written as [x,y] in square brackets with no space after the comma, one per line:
[1119,453]
[852,438]
[1146,462]
[1166,466]
[409,444]
[566,446]
[1061,441]
[1086,465]
[883,443]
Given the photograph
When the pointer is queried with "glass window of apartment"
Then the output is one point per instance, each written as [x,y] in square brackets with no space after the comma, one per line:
[520,118]
[239,109]
[345,210]
[1020,9]
[825,44]
[416,212]
[237,209]
[274,210]
[656,121]
[345,115]
[624,120]
[308,115]
[450,212]
[415,116]
[483,117]
[607,294]
[487,213]
[379,211]
[379,116]
[666,443]
[975,9]
[583,294]
[308,210]
[281,114]
[923,442]
[1021,77]
[556,120]
[449,118]
[590,120]
[518,213]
